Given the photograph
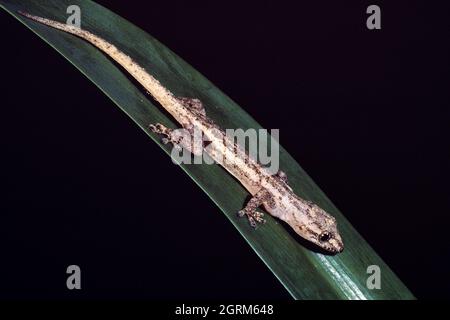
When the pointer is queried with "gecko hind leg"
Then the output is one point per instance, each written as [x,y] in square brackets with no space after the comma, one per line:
[164,131]
[158,128]
[254,216]
[179,138]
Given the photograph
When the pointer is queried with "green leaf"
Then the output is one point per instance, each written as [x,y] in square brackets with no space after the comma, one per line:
[304,273]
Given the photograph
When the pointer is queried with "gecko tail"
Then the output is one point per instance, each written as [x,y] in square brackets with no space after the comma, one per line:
[55,24]
[33,17]
[151,84]
[26,14]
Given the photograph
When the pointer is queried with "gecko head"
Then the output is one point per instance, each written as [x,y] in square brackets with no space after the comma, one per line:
[330,240]
[321,229]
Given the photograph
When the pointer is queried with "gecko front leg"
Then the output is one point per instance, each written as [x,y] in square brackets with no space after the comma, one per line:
[255,217]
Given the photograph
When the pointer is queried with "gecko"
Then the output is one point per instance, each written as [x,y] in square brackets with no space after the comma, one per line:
[268,191]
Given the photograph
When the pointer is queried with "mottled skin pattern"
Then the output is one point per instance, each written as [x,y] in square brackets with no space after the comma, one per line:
[269,191]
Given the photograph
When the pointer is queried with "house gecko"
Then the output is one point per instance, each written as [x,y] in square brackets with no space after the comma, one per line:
[269,191]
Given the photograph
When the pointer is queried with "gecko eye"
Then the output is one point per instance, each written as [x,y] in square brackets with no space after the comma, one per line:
[324,236]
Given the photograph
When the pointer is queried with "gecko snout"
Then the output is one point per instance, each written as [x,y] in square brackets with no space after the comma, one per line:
[331,242]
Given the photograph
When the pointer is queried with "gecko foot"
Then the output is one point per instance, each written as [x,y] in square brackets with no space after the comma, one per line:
[164,131]
[253,216]
[160,129]
[180,138]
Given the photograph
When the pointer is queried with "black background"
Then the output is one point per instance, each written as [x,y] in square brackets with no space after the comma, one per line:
[365,113]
